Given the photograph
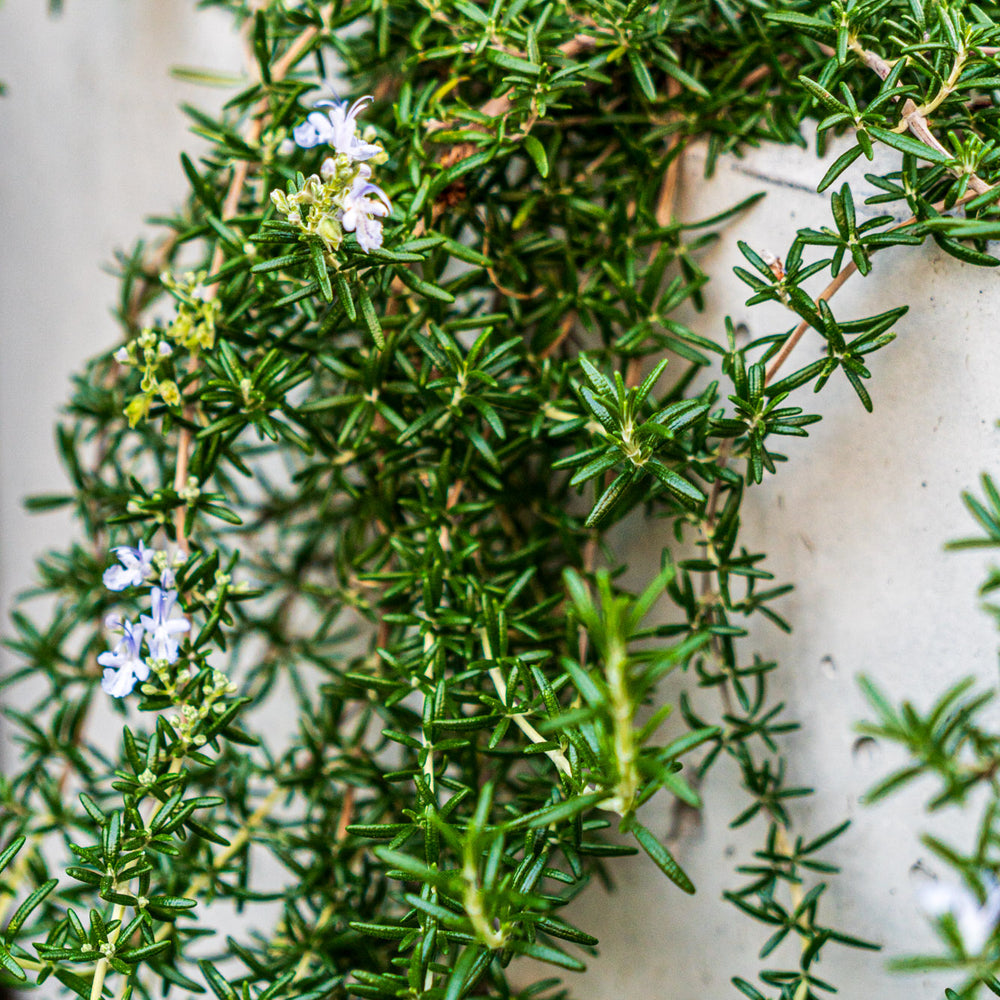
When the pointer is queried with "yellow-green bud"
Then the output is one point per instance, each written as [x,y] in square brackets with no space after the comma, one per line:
[137,409]
[169,392]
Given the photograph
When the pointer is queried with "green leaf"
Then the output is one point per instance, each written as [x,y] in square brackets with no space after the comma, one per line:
[684,78]
[216,983]
[46,501]
[172,902]
[598,409]
[389,931]
[9,965]
[686,492]
[370,317]
[838,167]
[558,813]
[512,62]
[80,986]
[319,269]
[279,263]
[858,386]
[144,951]
[686,743]
[205,194]
[459,980]
[641,74]
[86,875]
[537,153]
[747,990]
[10,852]
[206,77]
[822,95]
[583,682]
[344,295]
[421,287]
[409,865]
[597,380]
[965,253]
[813,26]
[557,928]
[553,956]
[609,499]
[907,144]
[890,784]
[878,700]
[825,838]
[24,910]
[662,857]
[649,381]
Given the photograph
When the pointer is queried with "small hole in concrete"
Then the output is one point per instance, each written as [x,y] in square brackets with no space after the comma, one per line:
[921,872]
[866,750]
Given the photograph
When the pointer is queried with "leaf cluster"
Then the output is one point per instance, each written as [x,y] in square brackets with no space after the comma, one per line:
[391,477]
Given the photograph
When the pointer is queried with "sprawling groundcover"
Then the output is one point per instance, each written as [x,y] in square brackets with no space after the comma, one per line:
[421,333]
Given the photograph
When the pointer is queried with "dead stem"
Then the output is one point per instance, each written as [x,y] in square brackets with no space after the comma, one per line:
[230,207]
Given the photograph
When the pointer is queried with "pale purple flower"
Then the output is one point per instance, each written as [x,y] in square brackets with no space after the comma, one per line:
[337,128]
[162,628]
[136,567]
[364,207]
[314,130]
[975,921]
[124,664]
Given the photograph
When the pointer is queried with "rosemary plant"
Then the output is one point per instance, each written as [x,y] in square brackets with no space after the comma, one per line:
[412,345]
[955,744]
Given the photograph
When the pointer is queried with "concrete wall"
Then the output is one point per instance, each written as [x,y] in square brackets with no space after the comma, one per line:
[90,139]
[857,520]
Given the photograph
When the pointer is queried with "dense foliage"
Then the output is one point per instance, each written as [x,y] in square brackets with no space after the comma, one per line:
[372,454]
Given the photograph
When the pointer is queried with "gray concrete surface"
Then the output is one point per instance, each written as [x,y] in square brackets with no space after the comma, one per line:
[857,520]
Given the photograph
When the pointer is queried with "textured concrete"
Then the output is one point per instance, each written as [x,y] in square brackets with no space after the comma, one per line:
[90,135]
[856,520]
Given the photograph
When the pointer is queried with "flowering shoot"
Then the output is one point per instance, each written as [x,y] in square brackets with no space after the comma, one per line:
[364,207]
[342,197]
[338,128]
[124,664]
[136,566]
[161,628]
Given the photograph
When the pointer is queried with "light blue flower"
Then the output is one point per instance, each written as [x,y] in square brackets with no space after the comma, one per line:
[136,567]
[162,628]
[364,207]
[337,128]
[975,921]
[124,664]
[316,129]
